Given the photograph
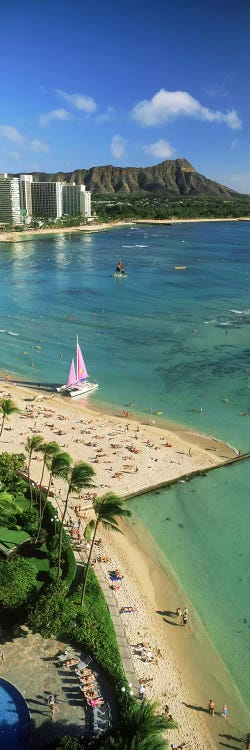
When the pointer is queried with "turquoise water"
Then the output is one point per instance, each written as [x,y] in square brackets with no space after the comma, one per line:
[201,527]
[163,339]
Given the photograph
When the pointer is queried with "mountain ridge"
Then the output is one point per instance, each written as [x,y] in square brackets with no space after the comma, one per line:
[172,178]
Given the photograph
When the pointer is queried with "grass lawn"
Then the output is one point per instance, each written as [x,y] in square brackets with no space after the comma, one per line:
[12,537]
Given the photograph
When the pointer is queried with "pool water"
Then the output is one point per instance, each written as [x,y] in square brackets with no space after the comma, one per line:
[14,718]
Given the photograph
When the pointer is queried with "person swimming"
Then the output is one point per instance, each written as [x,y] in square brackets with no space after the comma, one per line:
[118,267]
[123,270]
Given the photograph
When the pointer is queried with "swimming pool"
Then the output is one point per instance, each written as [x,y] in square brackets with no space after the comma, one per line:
[14,718]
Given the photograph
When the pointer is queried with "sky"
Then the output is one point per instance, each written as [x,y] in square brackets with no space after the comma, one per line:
[130,83]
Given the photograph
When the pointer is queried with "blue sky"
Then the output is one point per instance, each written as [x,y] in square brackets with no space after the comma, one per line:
[126,83]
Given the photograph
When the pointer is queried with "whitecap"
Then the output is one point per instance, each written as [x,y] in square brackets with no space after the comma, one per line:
[141,246]
[240,312]
[3,330]
[209,321]
[127,245]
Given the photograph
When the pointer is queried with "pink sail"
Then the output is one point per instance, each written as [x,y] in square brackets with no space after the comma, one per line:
[72,374]
[81,367]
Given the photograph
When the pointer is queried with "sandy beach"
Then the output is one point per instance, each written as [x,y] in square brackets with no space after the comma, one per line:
[129,456]
[98,227]
[31,233]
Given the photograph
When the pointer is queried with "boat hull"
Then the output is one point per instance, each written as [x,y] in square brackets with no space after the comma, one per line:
[79,390]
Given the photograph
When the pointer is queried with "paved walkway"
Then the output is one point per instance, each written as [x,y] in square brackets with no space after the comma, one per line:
[125,655]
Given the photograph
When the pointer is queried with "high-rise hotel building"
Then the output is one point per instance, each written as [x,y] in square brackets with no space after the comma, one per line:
[76,200]
[10,208]
[21,198]
[47,199]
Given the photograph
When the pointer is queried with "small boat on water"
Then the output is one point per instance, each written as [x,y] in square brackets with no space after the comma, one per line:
[78,383]
[119,271]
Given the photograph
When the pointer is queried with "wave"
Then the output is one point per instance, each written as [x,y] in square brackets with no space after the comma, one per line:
[140,245]
[3,330]
[127,245]
[240,312]
[209,321]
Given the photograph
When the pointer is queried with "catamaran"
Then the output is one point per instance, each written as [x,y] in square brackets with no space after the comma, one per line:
[78,384]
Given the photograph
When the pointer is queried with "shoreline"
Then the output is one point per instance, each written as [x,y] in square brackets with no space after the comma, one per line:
[190,653]
[30,234]
[104,441]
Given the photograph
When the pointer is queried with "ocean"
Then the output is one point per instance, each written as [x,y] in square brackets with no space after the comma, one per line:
[174,341]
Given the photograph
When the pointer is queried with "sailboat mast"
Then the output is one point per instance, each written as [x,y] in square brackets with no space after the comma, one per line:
[77,358]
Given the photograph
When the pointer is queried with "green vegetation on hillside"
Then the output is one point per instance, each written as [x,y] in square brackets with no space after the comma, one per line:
[115,207]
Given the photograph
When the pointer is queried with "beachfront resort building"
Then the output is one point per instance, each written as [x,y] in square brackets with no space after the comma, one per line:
[10,208]
[22,198]
[25,194]
[47,199]
[76,200]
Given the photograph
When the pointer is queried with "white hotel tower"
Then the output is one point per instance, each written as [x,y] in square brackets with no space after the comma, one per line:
[21,198]
[9,200]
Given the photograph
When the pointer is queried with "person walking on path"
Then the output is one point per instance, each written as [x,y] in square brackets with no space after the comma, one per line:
[211,707]
[52,704]
[141,691]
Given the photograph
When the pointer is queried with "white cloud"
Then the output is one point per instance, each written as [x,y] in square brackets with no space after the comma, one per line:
[8,131]
[106,116]
[117,146]
[167,105]
[39,146]
[160,149]
[54,114]
[234,144]
[79,101]
[24,141]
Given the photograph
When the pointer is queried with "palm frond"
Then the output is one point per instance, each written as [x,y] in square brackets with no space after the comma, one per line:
[110,506]
[61,465]
[33,443]
[49,450]
[81,476]
[7,407]
[143,722]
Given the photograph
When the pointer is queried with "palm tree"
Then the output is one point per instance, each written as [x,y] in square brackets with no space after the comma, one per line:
[49,450]
[77,477]
[143,727]
[59,467]
[7,407]
[107,510]
[33,445]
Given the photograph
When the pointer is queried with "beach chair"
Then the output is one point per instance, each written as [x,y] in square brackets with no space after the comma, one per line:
[64,657]
[83,664]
